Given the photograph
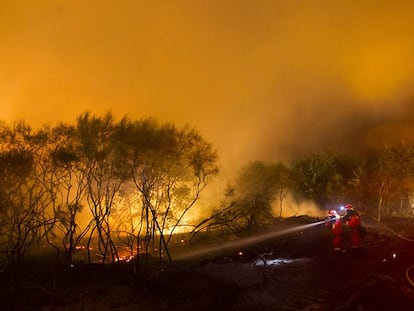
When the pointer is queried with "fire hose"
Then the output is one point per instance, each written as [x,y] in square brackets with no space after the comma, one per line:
[407,270]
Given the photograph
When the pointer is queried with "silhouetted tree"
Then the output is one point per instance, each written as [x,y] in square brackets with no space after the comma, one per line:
[67,186]
[394,178]
[255,188]
[247,202]
[280,176]
[319,178]
[104,176]
[24,199]
[170,169]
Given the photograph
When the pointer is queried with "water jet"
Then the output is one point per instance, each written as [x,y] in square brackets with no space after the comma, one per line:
[244,242]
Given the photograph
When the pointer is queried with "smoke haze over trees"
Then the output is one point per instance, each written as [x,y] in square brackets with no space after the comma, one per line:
[104,184]
[262,80]
[49,176]
[295,107]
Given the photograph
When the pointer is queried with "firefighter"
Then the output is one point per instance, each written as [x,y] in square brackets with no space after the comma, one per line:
[334,222]
[353,222]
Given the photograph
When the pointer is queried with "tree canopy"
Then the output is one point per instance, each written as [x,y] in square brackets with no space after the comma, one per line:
[48,177]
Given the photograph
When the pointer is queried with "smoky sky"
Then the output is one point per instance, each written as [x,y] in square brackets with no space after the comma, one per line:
[261,80]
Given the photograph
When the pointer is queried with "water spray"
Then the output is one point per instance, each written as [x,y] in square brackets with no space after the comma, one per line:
[246,241]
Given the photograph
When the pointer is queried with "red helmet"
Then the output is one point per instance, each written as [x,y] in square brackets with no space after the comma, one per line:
[333,212]
[348,206]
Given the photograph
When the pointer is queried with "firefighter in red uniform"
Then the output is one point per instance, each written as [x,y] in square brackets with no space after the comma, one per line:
[353,221]
[334,222]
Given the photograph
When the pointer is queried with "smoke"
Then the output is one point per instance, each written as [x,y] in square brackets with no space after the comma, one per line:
[261,80]
[292,208]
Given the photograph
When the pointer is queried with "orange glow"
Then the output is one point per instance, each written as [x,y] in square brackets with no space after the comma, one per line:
[253,76]
[380,71]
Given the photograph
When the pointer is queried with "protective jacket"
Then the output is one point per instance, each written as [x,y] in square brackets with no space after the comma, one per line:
[353,221]
[335,224]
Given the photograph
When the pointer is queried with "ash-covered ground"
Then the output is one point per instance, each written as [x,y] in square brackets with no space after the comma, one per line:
[295,271]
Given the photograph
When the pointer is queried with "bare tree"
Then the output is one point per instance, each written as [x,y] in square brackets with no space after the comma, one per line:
[279,176]
[104,170]
[67,187]
[394,175]
[247,202]
[170,169]
[24,199]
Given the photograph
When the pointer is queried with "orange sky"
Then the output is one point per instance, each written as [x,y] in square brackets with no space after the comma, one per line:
[260,79]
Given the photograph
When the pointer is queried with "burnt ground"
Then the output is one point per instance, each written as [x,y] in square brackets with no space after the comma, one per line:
[304,275]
